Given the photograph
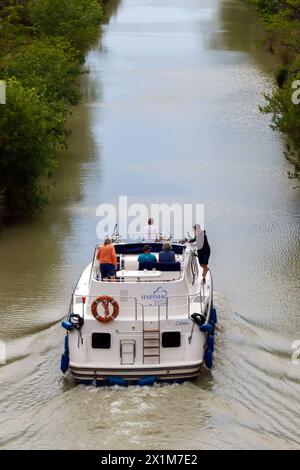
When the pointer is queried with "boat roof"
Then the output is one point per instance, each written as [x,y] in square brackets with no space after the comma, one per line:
[133,248]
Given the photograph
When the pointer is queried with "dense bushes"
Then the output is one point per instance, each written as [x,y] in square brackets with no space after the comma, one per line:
[75,20]
[49,66]
[282,21]
[41,51]
[31,131]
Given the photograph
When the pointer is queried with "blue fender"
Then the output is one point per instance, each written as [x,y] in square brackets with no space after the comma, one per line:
[67,344]
[117,381]
[210,341]
[208,328]
[67,325]
[147,381]
[208,358]
[64,364]
[213,315]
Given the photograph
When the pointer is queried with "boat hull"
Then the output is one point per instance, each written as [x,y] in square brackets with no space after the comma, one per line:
[100,375]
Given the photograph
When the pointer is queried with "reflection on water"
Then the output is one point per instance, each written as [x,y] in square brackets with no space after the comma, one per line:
[169,115]
[239,31]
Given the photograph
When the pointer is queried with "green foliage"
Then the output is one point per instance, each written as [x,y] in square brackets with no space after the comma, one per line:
[31,131]
[42,43]
[49,65]
[15,25]
[282,21]
[286,115]
[75,20]
[286,119]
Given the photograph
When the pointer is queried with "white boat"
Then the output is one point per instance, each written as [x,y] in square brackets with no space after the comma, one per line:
[152,324]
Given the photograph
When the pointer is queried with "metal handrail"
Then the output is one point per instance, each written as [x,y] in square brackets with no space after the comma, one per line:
[188,297]
[132,297]
[139,278]
[212,292]
[159,333]
[134,281]
[115,296]
[181,272]
[143,324]
[93,263]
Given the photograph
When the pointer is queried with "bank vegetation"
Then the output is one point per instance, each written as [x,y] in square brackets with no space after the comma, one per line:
[281,18]
[42,46]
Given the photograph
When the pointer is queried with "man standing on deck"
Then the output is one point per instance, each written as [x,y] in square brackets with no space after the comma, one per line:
[150,231]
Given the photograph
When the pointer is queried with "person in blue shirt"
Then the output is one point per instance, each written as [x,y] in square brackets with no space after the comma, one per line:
[147,257]
[167,255]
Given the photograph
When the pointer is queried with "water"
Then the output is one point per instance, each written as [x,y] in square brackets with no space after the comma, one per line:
[169,114]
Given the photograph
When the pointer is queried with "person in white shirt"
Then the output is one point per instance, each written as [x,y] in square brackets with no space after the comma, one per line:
[150,231]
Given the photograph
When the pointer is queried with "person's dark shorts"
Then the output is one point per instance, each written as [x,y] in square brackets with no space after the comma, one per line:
[107,270]
[203,256]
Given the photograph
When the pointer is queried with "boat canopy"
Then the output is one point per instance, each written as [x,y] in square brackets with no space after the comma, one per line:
[136,248]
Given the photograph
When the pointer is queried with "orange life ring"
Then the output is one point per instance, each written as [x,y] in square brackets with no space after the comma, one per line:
[108,316]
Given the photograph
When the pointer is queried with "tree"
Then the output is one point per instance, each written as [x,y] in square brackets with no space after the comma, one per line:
[49,65]
[15,24]
[42,44]
[31,131]
[75,20]
[282,21]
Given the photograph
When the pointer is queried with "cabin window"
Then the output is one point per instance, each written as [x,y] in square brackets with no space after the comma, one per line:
[101,340]
[171,339]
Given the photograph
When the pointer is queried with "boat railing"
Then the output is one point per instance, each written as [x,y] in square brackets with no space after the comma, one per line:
[93,267]
[95,271]
[132,305]
[199,297]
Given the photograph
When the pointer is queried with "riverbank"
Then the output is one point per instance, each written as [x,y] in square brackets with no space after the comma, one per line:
[42,46]
[282,22]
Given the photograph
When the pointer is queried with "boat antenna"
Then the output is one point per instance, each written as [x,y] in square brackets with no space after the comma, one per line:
[114,231]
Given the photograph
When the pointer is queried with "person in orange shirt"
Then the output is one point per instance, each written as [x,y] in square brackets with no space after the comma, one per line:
[108,261]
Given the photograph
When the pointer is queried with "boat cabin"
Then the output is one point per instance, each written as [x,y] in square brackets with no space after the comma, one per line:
[130,270]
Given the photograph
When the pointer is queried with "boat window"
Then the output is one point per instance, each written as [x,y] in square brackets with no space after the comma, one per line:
[101,340]
[171,339]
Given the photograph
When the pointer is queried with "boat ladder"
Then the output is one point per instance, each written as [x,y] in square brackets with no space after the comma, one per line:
[151,340]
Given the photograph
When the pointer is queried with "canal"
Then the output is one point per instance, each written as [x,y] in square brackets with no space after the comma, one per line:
[169,114]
